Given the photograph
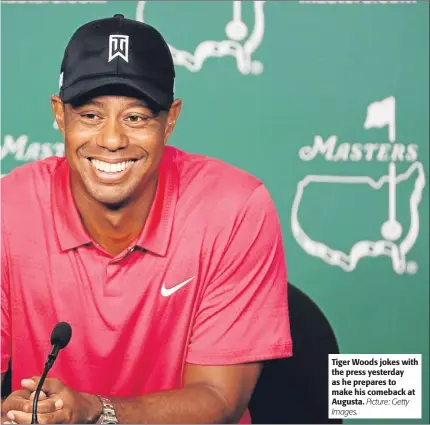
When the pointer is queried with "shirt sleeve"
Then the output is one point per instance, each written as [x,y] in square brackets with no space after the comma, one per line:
[5,306]
[243,316]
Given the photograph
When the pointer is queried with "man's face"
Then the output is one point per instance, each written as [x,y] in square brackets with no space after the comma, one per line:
[113,144]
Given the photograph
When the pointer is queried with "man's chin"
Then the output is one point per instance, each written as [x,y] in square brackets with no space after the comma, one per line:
[111,201]
[112,196]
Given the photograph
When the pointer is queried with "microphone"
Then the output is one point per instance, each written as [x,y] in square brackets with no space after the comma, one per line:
[60,337]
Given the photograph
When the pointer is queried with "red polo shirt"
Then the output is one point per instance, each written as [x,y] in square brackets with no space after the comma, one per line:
[204,283]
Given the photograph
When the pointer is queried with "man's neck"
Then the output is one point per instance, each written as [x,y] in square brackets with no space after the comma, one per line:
[114,229]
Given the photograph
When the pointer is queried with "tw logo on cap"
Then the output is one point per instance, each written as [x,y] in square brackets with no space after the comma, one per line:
[118,46]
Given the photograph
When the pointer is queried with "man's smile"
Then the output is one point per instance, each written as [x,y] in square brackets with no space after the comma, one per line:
[111,171]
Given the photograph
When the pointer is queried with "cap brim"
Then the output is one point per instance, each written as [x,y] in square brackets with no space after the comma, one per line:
[84,87]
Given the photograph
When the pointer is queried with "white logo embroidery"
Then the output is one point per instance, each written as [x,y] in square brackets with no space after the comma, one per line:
[166,292]
[397,240]
[118,46]
[241,41]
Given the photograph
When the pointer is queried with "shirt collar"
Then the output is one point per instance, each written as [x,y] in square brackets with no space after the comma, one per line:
[155,236]
[70,229]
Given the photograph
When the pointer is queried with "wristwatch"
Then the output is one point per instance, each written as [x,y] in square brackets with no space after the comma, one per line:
[108,415]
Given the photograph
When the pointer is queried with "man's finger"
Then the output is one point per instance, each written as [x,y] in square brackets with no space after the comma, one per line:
[50,405]
[20,394]
[42,396]
[57,417]
[50,386]
[19,417]
[46,406]
[29,384]
[15,402]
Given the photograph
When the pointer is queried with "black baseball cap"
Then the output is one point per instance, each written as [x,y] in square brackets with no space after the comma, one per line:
[120,52]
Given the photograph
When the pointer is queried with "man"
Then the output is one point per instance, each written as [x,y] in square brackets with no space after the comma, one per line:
[168,266]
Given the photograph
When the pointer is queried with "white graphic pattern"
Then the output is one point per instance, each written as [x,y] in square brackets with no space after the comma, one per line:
[166,292]
[379,114]
[240,43]
[118,47]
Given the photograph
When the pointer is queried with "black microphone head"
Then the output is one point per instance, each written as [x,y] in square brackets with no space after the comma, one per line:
[61,334]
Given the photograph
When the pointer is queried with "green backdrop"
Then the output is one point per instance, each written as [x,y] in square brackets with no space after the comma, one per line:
[327,103]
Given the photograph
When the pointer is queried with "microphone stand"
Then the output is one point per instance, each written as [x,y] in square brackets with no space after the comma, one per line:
[51,358]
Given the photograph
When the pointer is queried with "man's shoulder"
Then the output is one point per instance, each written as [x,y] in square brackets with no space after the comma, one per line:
[33,177]
[219,193]
[199,171]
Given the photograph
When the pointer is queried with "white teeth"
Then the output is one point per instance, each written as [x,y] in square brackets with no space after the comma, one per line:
[111,168]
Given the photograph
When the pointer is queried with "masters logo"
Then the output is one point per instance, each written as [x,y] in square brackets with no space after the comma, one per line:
[22,149]
[241,42]
[395,240]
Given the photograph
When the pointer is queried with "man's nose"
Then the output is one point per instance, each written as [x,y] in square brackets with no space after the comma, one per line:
[112,136]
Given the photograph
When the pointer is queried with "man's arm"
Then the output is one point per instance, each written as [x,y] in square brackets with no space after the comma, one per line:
[211,394]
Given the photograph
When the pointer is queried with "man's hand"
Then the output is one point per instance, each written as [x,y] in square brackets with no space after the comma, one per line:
[22,400]
[61,405]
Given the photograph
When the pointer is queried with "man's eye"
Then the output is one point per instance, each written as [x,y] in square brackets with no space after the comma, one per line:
[136,118]
[91,117]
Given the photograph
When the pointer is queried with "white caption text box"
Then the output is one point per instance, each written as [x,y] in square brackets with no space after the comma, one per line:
[375,386]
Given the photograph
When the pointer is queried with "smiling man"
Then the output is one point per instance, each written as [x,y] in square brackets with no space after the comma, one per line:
[169,266]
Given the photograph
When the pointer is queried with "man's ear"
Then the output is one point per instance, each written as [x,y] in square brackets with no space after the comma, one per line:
[58,108]
[172,117]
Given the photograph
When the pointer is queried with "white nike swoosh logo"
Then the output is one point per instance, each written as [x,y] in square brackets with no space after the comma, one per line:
[166,292]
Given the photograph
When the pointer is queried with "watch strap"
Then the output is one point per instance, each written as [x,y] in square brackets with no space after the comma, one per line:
[108,415]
